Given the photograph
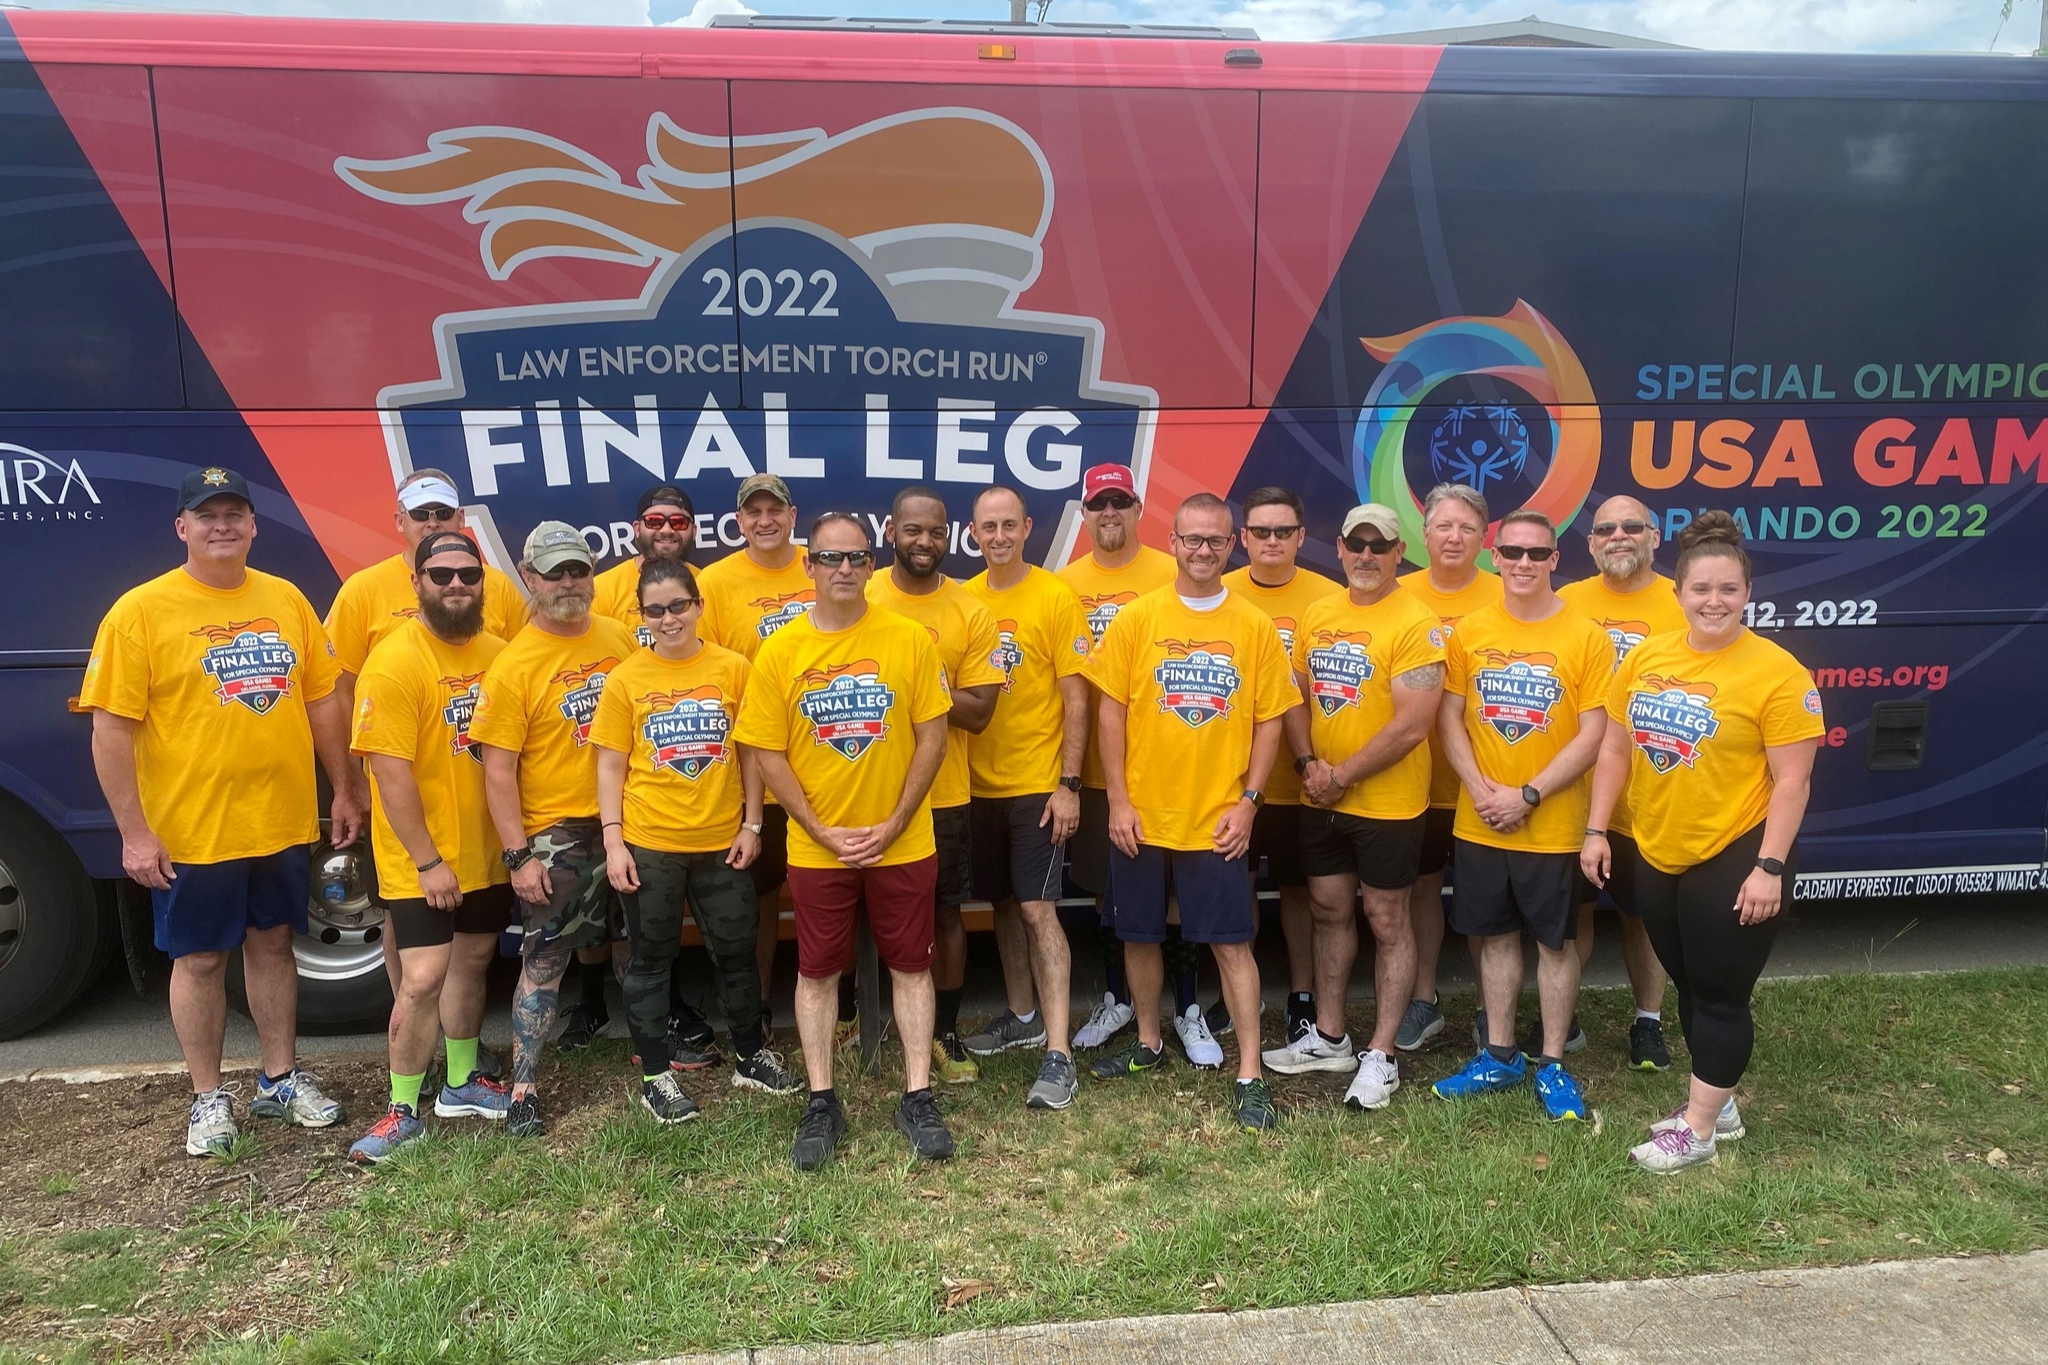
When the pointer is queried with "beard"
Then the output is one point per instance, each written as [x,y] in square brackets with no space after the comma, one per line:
[453,623]
[915,570]
[564,607]
[1620,562]
[643,541]
[1110,537]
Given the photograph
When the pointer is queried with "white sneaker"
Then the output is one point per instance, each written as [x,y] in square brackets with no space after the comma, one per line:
[211,1131]
[296,1099]
[1672,1150]
[1200,1045]
[1111,1017]
[1727,1124]
[1377,1079]
[1312,1052]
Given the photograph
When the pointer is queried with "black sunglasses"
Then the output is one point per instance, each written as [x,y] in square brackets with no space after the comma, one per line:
[1604,529]
[423,515]
[832,559]
[654,611]
[1535,554]
[1359,545]
[1119,501]
[1270,532]
[572,569]
[469,574]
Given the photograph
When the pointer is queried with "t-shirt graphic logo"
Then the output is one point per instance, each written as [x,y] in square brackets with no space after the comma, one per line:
[250,662]
[1102,610]
[1197,680]
[1337,667]
[1285,625]
[686,730]
[1670,718]
[1006,655]
[461,706]
[1626,636]
[644,634]
[581,687]
[777,612]
[1517,692]
[847,705]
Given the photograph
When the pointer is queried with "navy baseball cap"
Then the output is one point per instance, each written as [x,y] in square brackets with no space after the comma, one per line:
[212,482]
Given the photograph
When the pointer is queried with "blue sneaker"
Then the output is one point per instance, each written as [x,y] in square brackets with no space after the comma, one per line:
[1560,1093]
[398,1127]
[479,1097]
[1482,1075]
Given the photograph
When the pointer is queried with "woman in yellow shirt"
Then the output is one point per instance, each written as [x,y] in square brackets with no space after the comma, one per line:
[1714,738]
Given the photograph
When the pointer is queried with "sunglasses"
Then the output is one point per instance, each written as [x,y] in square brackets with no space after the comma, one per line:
[469,575]
[571,570]
[832,559]
[1359,545]
[1270,532]
[423,515]
[1121,502]
[1216,543]
[654,611]
[1535,554]
[1604,529]
[655,521]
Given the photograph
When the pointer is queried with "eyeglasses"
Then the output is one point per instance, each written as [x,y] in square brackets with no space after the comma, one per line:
[1535,554]
[1119,501]
[1603,529]
[574,570]
[423,515]
[654,611]
[655,521]
[832,559]
[1216,543]
[1270,532]
[1359,545]
[471,575]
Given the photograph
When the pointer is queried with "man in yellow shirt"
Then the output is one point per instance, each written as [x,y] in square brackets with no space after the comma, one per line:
[445,894]
[1523,714]
[211,688]
[846,716]
[1117,570]
[664,527]
[1026,770]
[1631,601]
[1454,521]
[1370,664]
[1275,583]
[532,715]
[1194,684]
[969,645]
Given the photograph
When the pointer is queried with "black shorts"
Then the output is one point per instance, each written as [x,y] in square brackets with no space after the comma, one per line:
[771,869]
[953,836]
[1215,895]
[1088,850]
[415,924]
[1621,874]
[1381,853]
[1505,891]
[1436,840]
[1276,837]
[1014,856]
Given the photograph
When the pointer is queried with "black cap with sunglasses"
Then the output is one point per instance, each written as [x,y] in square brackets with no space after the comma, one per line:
[443,543]
[665,495]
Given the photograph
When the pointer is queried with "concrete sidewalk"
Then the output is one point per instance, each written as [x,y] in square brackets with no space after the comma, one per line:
[1986,1310]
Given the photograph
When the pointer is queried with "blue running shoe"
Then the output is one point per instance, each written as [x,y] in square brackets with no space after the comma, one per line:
[1560,1093]
[479,1097]
[1482,1075]
[398,1127]
[296,1098]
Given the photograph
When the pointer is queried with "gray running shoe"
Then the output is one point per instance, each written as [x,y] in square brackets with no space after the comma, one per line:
[1005,1033]
[1422,1022]
[1057,1084]
[211,1130]
[917,1118]
[765,1071]
[296,1098]
[663,1097]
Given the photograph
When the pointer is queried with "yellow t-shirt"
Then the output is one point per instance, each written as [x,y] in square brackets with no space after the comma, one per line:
[744,603]
[1105,592]
[1193,684]
[966,636]
[673,720]
[1629,618]
[1525,685]
[220,682]
[377,600]
[616,593]
[1350,656]
[1287,605]
[413,701]
[1042,637]
[1449,607]
[841,706]
[537,700]
[1698,725]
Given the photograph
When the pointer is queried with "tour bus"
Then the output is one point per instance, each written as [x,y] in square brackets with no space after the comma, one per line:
[565,264]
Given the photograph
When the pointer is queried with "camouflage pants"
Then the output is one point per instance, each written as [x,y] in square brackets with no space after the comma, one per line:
[578,911]
[722,899]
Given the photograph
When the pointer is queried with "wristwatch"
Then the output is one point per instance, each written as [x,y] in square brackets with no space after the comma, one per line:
[1774,866]
[1072,783]
[754,830]
[1301,764]
[516,858]
[1255,796]
[1532,796]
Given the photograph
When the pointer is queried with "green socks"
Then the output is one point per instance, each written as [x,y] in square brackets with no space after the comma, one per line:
[461,1061]
[405,1090]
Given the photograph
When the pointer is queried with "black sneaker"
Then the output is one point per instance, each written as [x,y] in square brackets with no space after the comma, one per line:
[1218,1017]
[584,1025]
[1256,1111]
[523,1118]
[917,1118]
[1646,1050]
[764,1071]
[688,1029]
[818,1133]
[1135,1060]
[663,1097]
[1532,1041]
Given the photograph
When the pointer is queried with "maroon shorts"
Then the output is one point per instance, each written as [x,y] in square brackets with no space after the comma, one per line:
[899,904]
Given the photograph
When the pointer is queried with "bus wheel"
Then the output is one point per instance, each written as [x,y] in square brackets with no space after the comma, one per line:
[342,985]
[54,933]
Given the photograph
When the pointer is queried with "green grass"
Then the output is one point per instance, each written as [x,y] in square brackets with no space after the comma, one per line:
[1872,1106]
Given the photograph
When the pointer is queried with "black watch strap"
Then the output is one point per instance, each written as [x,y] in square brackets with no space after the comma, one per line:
[1301,765]
[516,858]
[1774,866]
[1072,784]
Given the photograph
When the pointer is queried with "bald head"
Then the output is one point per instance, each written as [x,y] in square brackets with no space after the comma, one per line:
[1624,542]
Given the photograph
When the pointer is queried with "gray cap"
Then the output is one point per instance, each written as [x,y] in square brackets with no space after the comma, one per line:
[555,543]
[1376,516]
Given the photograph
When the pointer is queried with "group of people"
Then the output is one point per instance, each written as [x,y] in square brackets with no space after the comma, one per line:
[587,758]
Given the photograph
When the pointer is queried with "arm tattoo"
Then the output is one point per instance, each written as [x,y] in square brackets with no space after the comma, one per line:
[1423,678]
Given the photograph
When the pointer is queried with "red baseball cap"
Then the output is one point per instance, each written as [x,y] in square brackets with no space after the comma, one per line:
[1107,478]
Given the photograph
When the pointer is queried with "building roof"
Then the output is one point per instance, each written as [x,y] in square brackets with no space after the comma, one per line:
[1529,32]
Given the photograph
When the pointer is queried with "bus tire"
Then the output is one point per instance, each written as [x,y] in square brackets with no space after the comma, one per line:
[342,984]
[55,934]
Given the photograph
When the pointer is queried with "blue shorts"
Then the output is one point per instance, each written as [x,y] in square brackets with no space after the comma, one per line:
[211,907]
[1215,895]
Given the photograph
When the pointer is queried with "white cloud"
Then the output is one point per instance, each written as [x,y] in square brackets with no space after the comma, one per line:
[704,11]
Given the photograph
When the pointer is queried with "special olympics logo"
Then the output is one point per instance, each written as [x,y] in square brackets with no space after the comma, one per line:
[1487,446]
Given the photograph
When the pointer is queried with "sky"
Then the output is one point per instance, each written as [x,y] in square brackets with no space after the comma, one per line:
[1777,25]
